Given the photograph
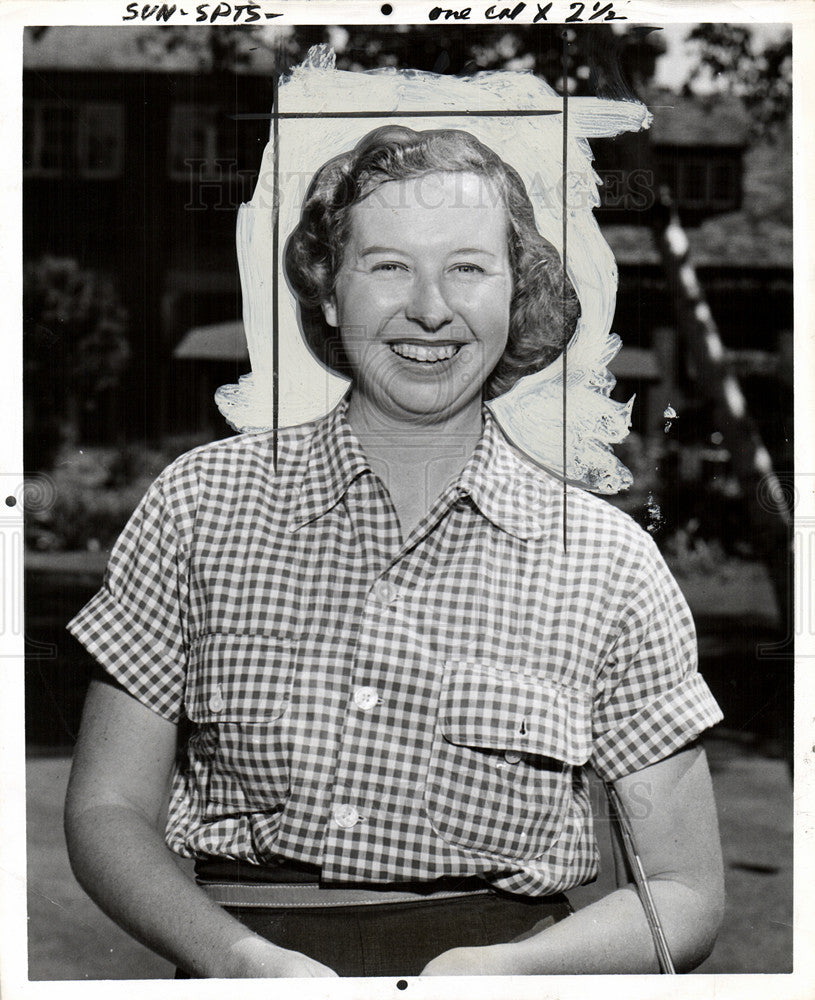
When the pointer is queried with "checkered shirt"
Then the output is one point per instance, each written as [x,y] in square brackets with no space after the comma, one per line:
[394,711]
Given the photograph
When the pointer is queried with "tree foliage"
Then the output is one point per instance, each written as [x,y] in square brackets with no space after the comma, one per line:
[75,347]
[223,50]
[595,58]
[730,56]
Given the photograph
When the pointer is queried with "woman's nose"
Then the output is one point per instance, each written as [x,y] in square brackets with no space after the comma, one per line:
[428,305]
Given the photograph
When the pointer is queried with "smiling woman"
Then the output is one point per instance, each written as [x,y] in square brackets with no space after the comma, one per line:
[394,672]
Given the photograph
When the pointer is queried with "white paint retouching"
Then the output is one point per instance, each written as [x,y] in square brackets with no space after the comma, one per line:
[531,413]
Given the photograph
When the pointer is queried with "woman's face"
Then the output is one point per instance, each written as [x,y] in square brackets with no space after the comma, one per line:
[422,296]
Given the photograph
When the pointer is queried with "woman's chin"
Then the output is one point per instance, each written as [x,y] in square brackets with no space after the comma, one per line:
[423,406]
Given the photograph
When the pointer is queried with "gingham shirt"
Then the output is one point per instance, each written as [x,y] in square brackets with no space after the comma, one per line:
[394,711]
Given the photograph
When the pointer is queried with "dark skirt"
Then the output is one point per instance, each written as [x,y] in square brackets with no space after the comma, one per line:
[392,939]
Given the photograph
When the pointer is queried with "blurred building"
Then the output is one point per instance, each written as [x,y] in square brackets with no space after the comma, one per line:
[139,175]
[734,201]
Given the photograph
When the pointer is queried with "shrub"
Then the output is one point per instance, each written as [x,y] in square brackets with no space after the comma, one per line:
[75,347]
[95,492]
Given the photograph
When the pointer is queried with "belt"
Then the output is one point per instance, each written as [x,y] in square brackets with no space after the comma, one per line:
[309,894]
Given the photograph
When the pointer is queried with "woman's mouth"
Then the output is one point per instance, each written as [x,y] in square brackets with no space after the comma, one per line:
[426,353]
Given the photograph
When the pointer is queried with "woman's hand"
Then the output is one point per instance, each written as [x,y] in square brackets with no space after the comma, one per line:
[255,958]
[491,960]
[673,818]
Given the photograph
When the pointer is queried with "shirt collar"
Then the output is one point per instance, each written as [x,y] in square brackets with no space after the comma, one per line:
[334,461]
[516,497]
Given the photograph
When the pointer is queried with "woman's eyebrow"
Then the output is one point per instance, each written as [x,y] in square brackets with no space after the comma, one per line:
[366,251]
[481,250]
[401,251]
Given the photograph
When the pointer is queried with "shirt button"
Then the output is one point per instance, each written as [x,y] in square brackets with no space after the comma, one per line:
[346,816]
[216,702]
[513,756]
[385,592]
[366,698]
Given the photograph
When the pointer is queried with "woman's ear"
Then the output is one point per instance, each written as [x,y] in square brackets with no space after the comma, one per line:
[329,308]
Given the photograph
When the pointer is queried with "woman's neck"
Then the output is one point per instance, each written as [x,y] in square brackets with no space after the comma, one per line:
[376,428]
[415,461]
[414,442]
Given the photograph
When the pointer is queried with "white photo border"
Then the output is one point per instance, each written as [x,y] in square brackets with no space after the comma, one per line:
[13,952]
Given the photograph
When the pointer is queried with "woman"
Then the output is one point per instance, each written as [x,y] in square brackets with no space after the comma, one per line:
[394,669]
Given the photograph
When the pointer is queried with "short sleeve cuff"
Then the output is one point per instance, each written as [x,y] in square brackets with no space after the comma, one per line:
[659,729]
[133,652]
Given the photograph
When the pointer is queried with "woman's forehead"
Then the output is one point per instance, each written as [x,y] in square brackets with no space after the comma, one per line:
[448,201]
[462,188]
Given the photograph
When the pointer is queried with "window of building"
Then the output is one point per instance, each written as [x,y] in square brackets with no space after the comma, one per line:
[99,140]
[81,140]
[692,183]
[669,174]
[701,181]
[206,144]
[48,139]
[724,184]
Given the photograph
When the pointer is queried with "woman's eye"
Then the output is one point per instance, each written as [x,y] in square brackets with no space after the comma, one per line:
[389,267]
[468,269]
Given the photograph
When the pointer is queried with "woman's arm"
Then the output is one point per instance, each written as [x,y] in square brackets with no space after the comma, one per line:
[116,797]
[673,817]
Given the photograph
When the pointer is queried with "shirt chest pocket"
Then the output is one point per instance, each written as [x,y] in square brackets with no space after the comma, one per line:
[499,779]
[238,696]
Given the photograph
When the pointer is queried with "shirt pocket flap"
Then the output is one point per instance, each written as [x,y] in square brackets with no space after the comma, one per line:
[239,678]
[483,707]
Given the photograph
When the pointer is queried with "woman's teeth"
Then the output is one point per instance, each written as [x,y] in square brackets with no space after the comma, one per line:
[425,352]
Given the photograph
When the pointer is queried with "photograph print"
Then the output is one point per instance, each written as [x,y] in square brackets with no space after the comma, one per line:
[408,583]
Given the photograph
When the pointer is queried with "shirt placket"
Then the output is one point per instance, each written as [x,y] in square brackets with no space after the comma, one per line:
[375,784]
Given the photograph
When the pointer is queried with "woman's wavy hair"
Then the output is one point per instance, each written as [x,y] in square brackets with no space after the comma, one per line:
[542,319]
